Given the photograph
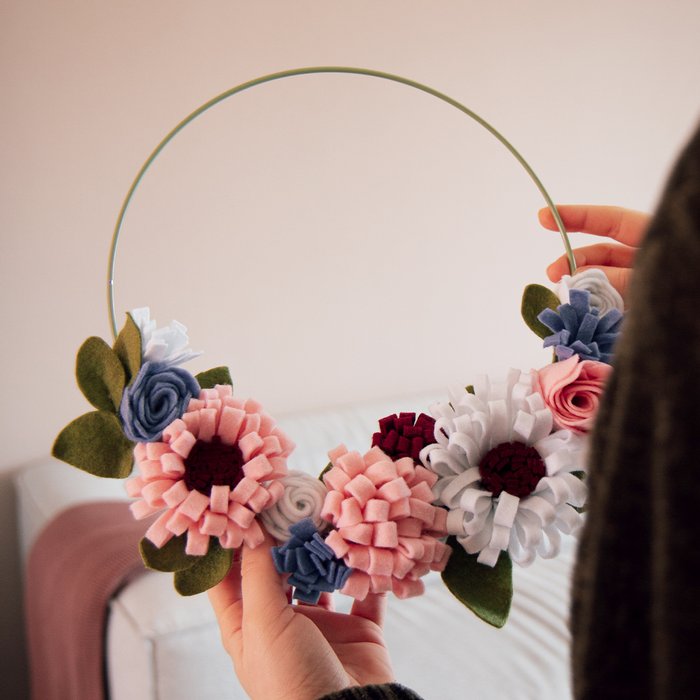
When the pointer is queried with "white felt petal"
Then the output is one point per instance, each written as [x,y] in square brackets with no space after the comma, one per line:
[459,442]
[488,556]
[559,488]
[506,509]
[476,522]
[475,500]
[499,537]
[500,428]
[443,463]
[450,495]
[539,507]
[578,490]
[528,529]
[550,544]
[568,519]
[455,522]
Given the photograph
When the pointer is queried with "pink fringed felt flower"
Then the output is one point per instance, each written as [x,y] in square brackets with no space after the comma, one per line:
[215,469]
[572,390]
[387,527]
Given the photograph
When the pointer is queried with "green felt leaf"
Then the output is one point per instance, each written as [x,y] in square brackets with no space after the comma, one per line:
[470,389]
[128,348]
[206,572]
[100,374]
[95,443]
[170,557]
[212,377]
[536,299]
[486,591]
[326,469]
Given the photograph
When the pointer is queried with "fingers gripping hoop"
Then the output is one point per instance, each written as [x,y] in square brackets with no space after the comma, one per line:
[310,71]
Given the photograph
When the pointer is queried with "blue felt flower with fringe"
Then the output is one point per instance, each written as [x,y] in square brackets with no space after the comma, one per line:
[313,566]
[580,330]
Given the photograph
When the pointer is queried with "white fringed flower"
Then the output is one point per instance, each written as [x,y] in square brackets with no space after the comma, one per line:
[604,296]
[168,345]
[503,473]
[303,498]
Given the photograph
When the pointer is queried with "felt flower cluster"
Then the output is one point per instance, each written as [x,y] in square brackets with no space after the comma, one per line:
[386,526]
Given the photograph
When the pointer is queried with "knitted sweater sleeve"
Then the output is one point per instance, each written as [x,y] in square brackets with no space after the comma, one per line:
[389,691]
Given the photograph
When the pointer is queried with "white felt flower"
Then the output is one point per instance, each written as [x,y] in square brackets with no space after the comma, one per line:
[303,498]
[168,345]
[604,296]
[504,472]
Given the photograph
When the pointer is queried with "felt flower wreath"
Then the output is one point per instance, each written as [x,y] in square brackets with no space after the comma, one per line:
[492,477]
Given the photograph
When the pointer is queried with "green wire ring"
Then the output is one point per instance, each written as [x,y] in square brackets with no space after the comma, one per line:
[306,71]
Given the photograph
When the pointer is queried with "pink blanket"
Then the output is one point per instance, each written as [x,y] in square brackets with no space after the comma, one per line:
[77,564]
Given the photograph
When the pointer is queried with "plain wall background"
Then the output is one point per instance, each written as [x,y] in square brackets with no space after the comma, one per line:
[330,238]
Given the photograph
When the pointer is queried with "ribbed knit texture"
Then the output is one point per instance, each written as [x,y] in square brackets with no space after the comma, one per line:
[77,564]
[636,614]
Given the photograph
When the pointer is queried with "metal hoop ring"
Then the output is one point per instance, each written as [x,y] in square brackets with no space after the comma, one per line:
[307,71]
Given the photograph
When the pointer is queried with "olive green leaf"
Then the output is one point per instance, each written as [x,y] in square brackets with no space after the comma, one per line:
[470,389]
[486,591]
[214,376]
[128,348]
[95,443]
[326,469]
[100,374]
[170,557]
[206,572]
[536,299]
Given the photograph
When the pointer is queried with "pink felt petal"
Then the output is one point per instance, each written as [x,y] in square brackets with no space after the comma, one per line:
[331,506]
[381,472]
[232,538]
[214,524]
[440,523]
[357,557]
[279,466]
[380,584]
[385,535]
[141,509]
[172,432]
[276,490]
[207,424]
[361,488]
[155,450]
[267,425]
[406,588]
[405,468]
[422,510]
[409,527]
[192,421]
[249,444]
[178,523]
[258,468]
[254,535]
[287,444]
[336,453]
[133,486]
[411,547]
[423,474]
[335,478]
[183,443]
[350,513]
[360,534]
[245,488]
[271,446]
[153,492]
[376,511]
[251,423]
[351,463]
[219,498]
[402,564]
[429,549]
[400,509]
[241,515]
[253,406]
[150,469]
[357,585]
[209,395]
[394,490]
[230,424]
[194,505]
[195,405]
[422,492]
[224,390]
[157,533]
[140,451]
[374,455]
[176,494]
[197,542]
[339,546]
[172,464]
[259,500]
[233,402]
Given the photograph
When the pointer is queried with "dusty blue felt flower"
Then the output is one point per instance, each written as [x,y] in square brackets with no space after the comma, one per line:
[313,566]
[159,394]
[580,330]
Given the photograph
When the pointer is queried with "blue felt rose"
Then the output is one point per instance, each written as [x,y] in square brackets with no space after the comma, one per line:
[159,395]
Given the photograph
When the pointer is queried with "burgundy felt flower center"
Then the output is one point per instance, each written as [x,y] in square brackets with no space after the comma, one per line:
[512,467]
[213,464]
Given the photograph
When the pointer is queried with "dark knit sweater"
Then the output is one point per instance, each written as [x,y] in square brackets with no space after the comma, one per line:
[635,615]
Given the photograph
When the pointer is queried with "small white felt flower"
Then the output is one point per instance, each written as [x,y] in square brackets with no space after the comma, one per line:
[503,473]
[303,498]
[169,345]
[604,296]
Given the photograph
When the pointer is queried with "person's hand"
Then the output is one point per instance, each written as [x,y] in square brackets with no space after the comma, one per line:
[622,225]
[295,652]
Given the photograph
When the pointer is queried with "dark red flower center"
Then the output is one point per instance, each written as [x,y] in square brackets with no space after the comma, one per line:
[512,467]
[213,464]
[404,435]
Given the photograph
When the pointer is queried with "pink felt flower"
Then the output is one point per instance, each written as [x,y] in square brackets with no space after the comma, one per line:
[572,389]
[386,525]
[216,468]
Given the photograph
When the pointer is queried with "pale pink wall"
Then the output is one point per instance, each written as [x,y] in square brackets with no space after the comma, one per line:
[400,235]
